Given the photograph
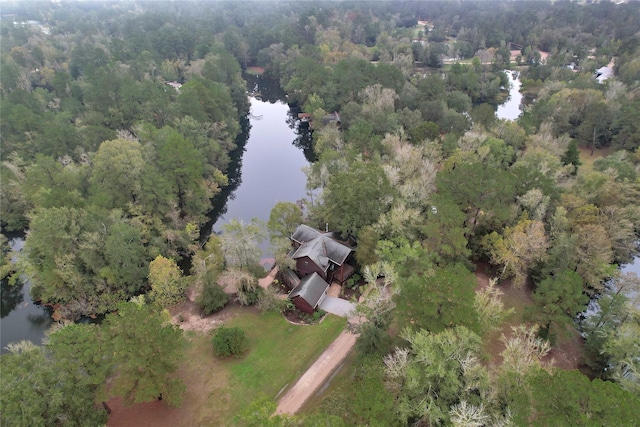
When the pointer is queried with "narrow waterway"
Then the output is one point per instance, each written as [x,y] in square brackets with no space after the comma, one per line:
[271,166]
[22,319]
[512,107]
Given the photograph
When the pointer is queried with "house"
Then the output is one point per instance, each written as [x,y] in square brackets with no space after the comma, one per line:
[603,73]
[322,253]
[309,293]
[330,119]
[333,119]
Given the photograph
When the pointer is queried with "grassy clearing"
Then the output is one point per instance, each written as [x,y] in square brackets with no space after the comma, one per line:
[256,71]
[279,352]
[587,159]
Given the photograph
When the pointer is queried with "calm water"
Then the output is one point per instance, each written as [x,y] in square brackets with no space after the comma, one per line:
[511,108]
[21,319]
[271,169]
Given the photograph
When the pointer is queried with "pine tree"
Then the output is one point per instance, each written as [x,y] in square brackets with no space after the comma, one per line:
[572,156]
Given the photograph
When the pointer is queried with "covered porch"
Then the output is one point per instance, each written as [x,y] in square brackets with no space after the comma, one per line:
[342,273]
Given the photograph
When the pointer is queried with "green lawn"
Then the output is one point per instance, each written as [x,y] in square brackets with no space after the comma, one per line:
[279,352]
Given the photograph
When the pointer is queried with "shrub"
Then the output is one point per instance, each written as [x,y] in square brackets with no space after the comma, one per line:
[353,281]
[317,315]
[213,297]
[248,292]
[230,342]
[269,301]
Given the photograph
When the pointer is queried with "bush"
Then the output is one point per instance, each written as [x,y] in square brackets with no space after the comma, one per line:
[249,292]
[230,342]
[353,281]
[269,301]
[317,315]
[213,297]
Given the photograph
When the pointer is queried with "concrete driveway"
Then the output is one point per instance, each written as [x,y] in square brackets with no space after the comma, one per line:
[337,306]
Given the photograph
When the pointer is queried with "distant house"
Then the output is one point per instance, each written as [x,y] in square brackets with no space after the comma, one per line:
[309,293]
[175,85]
[322,253]
[329,119]
[304,117]
[603,73]
[333,118]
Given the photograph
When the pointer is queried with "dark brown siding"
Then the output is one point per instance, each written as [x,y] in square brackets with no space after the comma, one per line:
[305,266]
[302,305]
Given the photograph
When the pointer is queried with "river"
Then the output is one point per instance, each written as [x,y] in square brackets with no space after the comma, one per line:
[512,107]
[271,166]
[22,319]
[266,169]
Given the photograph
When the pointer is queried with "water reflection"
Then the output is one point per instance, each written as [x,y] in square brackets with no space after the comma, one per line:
[10,298]
[264,88]
[303,132]
[22,319]
[271,166]
[512,107]
[266,165]
[234,174]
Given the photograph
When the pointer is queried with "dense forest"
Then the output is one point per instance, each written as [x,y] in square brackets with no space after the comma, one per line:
[117,124]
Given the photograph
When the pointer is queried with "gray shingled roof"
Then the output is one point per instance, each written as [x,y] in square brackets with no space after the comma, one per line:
[310,289]
[304,233]
[319,247]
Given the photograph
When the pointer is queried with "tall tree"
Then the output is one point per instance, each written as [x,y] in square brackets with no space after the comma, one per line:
[557,300]
[439,371]
[146,352]
[486,194]
[117,167]
[569,398]
[240,243]
[167,284]
[519,249]
[35,391]
[438,299]
[283,220]
[356,198]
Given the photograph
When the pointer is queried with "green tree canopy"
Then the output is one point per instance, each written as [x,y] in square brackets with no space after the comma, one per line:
[557,300]
[117,167]
[485,193]
[355,198]
[37,391]
[438,299]
[167,284]
[146,352]
[284,218]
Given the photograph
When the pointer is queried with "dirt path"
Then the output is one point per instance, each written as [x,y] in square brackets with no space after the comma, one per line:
[269,278]
[317,374]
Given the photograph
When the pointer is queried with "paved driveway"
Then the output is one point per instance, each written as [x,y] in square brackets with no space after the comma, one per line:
[337,306]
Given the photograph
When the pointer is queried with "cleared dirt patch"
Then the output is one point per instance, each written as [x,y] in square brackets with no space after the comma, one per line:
[258,71]
[566,354]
